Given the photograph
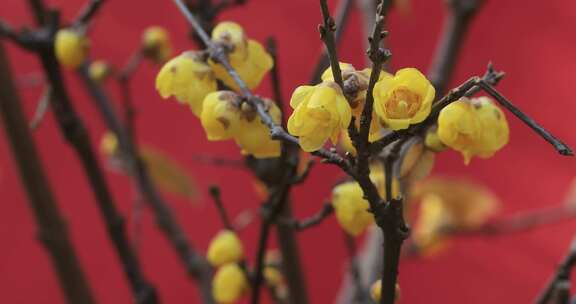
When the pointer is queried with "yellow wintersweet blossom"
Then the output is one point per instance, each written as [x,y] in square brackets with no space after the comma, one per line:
[253,136]
[229,283]
[356,87]
[225,248]
[248,57]
[320,112]
[403,99]
[71,48]
[433,218]
[351,208]
[99,71]
[156,44]
[109,144]
[220,115]
[474,127]
[188,78]
[376,291]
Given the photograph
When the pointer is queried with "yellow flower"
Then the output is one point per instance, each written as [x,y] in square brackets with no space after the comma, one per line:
[156,44]
[404,99]
[71,48]
[220,115]
[351,208]
[320,112]
[474,127]
[229,284]
[432,219]
[99,71]
[247,57]
[253,136]
[433,142]
[109,144]
[356,87]
[225,248]
[189,78]
[376,291]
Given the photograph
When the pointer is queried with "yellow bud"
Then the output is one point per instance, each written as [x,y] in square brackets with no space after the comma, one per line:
[320,113]
[221,115]
[99,71]
[109,144]
[273,276]
[156,43]
[433,141]
[71,48]
[403,99]
[225,248]
[232,35]
[229,283]
[188,78]
[351,208]
[474,127]
[253,136]
[376,291]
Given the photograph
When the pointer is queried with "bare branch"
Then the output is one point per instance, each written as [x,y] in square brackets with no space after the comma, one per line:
[562,275]
[215,194]
[311,221]
[41,108]
[327,29]
[87,13]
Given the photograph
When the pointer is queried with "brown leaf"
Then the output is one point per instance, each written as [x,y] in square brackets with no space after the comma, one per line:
[167,174]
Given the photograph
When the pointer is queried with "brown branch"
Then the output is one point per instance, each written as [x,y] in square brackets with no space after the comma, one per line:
[304,175]
[562,275]
[195,263]
[75,133]
[308,222]
[52,228]
[342,15]
[450,44]
[271,46]
[360,290]
[87,13]
[327,29]
[216,197]
[41,108]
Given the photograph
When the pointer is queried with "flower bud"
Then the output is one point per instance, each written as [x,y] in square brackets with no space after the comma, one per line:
[156,44]
[225,248]
[71,48]
[376,291]
[229,284]
[99,71]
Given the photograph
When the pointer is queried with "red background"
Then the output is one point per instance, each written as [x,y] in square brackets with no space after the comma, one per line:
[533,42]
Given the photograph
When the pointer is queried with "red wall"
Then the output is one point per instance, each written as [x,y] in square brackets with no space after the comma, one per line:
[534,43]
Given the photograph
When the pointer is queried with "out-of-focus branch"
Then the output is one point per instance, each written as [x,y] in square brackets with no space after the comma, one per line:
[562,276]
[215,193]
[455,29]
[41,108]
[52,228]
[87,13]
[195,263]
[271,46]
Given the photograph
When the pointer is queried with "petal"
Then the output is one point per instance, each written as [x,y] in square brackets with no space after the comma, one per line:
[300,94]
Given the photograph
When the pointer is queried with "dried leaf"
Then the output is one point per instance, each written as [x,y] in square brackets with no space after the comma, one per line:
[168,174]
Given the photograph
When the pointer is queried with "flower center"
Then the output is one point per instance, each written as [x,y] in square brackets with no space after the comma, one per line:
[403,104]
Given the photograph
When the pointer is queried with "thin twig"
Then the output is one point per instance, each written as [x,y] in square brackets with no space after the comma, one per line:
[311,221]
[41,108]
[360,291]
[52,228]
[216,197]
[327,29]
[87,13]
[305,173]
[342,15]
[562,274]
[271,46]
[451,41]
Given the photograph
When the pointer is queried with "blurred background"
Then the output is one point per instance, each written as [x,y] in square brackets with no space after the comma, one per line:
[534,43]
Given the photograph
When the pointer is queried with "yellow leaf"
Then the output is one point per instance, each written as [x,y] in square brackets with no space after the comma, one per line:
[167,174]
